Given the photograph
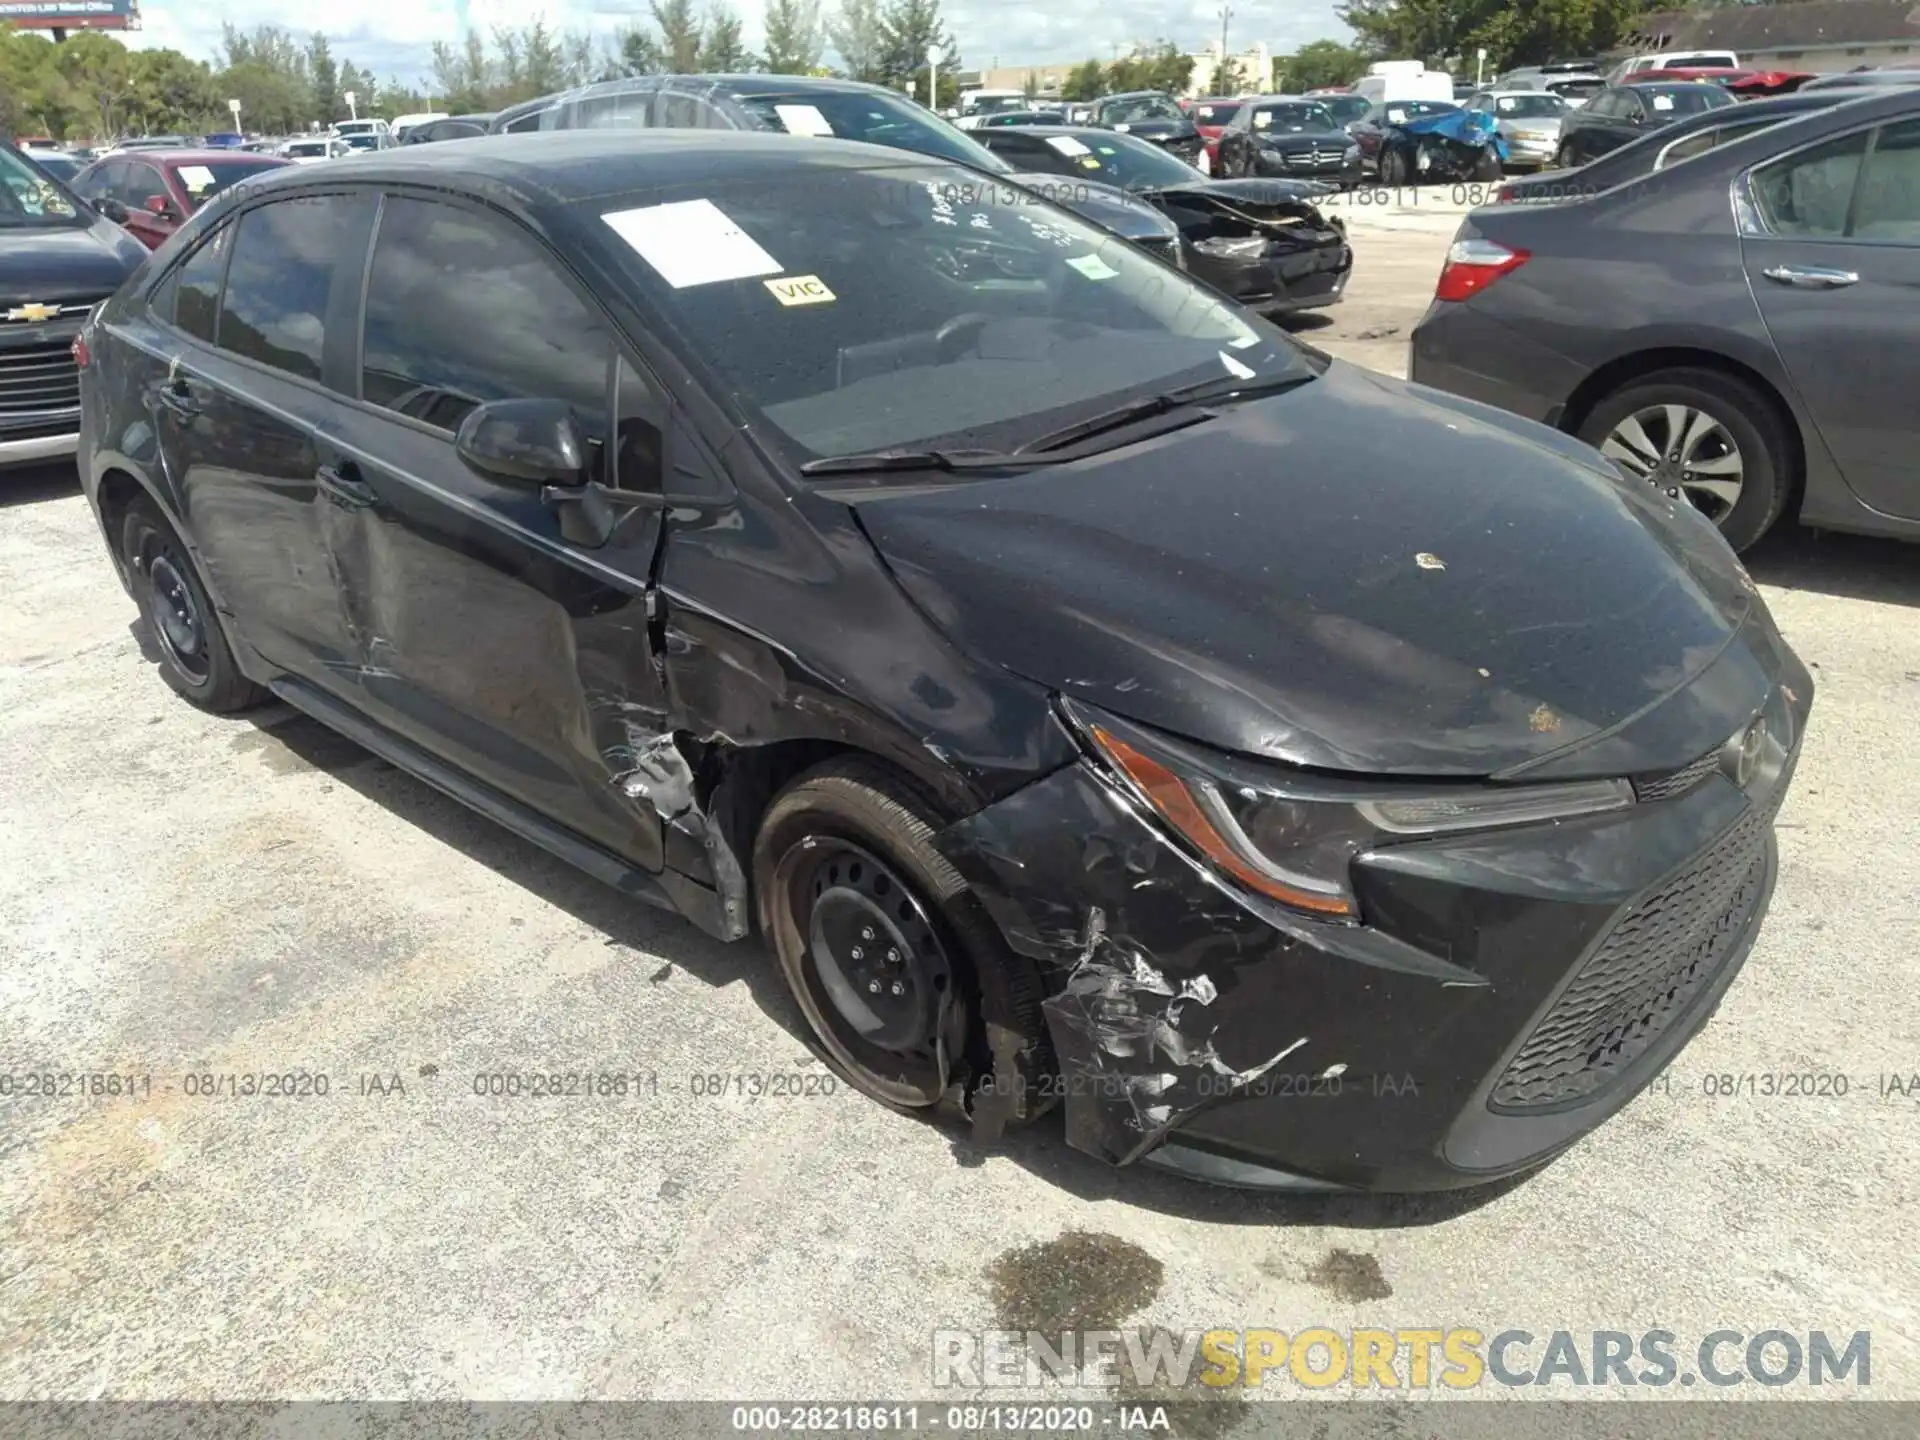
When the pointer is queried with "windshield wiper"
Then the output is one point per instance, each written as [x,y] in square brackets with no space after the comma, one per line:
[876,461]
[1227,387]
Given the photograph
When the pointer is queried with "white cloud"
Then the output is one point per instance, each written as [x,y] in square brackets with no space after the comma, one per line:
[393,38]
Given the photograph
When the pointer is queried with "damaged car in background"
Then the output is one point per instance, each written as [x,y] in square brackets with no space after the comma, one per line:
[1264,242]
[1060,668]
[1428,142]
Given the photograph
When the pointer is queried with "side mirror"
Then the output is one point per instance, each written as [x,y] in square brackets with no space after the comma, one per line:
[163,207]
[536,442]
[112,209]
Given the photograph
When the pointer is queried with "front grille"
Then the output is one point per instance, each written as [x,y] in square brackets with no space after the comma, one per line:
[36,378]
[1644,976]
[1677,782]
[1314,158]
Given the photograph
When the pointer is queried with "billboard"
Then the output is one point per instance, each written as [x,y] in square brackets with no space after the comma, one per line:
[71,14]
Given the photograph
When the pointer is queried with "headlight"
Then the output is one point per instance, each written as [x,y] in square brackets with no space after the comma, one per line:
[1352,154]
[1242,247]
[1292,836]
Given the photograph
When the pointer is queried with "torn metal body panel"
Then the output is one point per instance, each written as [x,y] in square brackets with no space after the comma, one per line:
[1264,242]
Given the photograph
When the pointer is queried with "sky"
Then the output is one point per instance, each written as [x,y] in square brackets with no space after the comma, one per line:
[394,39]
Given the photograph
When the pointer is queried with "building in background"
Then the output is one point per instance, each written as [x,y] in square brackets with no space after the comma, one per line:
[1817,35]
[1251,71]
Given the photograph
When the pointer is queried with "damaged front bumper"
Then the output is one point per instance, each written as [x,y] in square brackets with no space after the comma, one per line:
[1506,992]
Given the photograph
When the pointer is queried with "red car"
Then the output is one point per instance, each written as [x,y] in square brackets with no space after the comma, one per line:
[152,192]
[1747,84]
[1211,114]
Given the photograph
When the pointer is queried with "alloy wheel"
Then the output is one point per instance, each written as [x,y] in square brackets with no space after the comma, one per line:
[1681,447]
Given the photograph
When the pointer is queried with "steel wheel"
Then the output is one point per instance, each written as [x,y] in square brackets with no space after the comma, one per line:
[874,975]
[173,612]
[1679,446]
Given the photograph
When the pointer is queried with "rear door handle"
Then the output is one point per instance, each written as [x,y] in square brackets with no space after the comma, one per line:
[1811,277]
[343,483]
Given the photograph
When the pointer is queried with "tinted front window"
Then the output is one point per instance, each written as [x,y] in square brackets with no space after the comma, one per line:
[463,309]
[1808,194]
[1346,109]
[1670,100]
[204,181]
[197,291]
[1118,160]
[1294,118]
[285,260]
[876,118]
[921,305]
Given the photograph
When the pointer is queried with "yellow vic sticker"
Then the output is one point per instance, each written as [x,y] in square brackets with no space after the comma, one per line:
[799,290]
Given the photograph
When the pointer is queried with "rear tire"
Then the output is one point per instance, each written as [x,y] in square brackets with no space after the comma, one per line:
[1761,445]
[195,659]
[1563,158]
[888,954]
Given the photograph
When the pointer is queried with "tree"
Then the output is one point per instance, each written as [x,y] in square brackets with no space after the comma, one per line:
[722,52]
[325,77]
[1230,78]
[1086,81]
[464,77]
[796,37]
[1514,32]
[99,79]
[1163,67]
[1315,66]
[636,52]
[679,35]
[858,39]
[170,93]
[908,29]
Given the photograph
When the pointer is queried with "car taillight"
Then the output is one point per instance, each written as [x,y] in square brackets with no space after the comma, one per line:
[1504,195]
[1472,265]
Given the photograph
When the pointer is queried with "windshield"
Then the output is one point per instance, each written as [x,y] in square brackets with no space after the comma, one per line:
[30,197]
[994,104]
[925,306]
[367,141]
[310,147]
[1577,91]
[1346,109]
[1134,108]
[1683,99]
[1299,116]
[875,117]
[1529,107]
[1124,161]
[1402,111]
[62,167]
[204,181]
[1215,114]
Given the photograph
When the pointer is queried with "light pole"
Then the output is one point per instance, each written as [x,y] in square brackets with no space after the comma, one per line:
[1226,65]
[933,77]
[353,110]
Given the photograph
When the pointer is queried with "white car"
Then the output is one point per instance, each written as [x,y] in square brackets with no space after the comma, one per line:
[321,147]
[1528,120]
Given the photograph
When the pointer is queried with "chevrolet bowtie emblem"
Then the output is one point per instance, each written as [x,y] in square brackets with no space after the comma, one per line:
[33,312]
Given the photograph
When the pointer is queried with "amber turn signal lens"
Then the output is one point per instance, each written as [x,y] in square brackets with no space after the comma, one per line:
[1169,795]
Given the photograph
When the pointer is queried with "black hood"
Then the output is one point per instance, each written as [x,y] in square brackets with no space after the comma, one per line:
[48,263]
[1285,140]
[1105,205]
[1357,575]
[1158,131]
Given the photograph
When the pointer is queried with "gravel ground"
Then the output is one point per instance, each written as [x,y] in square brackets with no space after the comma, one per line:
[182,895]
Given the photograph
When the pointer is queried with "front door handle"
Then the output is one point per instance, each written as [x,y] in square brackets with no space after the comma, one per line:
[1811,277]
[343,483]
[179,399]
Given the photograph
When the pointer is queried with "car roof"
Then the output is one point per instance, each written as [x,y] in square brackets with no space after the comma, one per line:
[1667,85]
[1512,90]
[559,167]
[197,156]
[1132,95]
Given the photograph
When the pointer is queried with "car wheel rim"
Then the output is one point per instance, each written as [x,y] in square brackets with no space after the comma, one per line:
[1679,447]
[879,985]
[176,615]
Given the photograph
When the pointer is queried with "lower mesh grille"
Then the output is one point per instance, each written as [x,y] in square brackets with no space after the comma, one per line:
[1646,974]
[1678,782]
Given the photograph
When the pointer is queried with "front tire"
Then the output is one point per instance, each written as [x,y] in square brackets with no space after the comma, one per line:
[1393,169]
[1487,167]
[882,945]
[1709,434]
[195,659]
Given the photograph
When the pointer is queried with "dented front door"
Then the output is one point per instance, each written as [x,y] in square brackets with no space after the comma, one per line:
[491,634]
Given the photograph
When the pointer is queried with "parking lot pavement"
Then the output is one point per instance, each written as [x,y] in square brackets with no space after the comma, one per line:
[187,897]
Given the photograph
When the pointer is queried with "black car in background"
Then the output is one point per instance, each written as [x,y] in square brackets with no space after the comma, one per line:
[1067,674]
[1742,330]
[453,127]
[1621,114]
[1152,115]
[58,259]
[1264,242]
[1679,141]
[1021,117]
[1345,109]
[1284,135]
[824,108]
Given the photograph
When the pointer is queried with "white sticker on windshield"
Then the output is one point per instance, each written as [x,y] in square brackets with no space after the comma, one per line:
[1663,102]
[803,120]
[1092,266]
[1123,128]
[1235,368]
[1067,145]
[196,177]
[692,242]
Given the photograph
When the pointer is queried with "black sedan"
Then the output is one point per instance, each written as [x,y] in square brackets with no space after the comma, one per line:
[1066,674]
[1622,114]
[1264,242]
[1679,141]
[1280,135]
[451,127]
[1152,115]
[1740,329]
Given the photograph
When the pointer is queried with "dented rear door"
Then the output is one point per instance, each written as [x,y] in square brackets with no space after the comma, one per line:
[494,634]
